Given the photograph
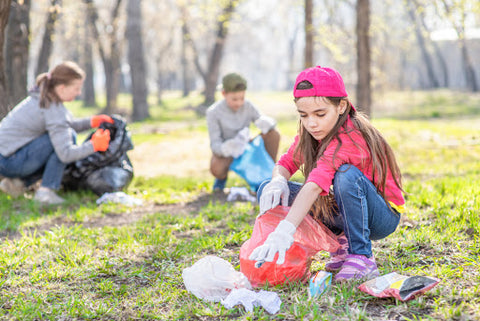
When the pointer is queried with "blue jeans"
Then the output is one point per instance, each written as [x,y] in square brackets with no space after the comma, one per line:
[364,214]
[34,161]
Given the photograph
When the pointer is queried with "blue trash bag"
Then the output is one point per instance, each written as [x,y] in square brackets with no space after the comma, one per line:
[255,165]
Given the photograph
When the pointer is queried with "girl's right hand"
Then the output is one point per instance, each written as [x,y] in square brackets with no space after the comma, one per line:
[272,193]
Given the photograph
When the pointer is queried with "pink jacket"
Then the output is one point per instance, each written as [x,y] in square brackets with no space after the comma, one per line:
[353,151]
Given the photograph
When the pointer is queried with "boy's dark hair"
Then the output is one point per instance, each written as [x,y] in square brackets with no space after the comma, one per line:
[233,82]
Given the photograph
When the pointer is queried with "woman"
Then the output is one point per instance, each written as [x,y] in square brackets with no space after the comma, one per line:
[37,137]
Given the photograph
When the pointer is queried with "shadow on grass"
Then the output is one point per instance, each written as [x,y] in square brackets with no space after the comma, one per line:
[23,215]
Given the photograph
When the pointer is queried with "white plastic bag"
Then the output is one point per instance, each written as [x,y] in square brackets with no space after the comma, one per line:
[240,194]
[212,278]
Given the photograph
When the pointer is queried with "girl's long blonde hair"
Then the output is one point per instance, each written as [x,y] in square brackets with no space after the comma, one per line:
[62,74]
[309,151]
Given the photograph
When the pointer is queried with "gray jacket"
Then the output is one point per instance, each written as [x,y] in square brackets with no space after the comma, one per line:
[224,123]
[27,121]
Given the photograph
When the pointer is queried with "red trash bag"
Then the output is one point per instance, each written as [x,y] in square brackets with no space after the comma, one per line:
[309,238]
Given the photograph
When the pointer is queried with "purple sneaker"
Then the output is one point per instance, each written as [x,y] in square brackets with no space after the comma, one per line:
[337,258]
[357,267]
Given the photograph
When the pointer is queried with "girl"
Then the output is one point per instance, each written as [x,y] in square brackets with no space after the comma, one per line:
[37,137]
[335,146]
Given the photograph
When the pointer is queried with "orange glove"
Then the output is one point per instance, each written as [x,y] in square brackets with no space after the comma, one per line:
[100,140]
[96,120]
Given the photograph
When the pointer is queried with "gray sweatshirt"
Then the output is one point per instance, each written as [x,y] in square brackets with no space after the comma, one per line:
[224,123]
[28,121]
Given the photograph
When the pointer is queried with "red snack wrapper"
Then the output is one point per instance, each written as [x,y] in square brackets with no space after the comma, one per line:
[402,287]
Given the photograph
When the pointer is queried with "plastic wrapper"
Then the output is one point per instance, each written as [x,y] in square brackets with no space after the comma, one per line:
[399,286]
[212,278]
[319,284]
[255,165]
[240,194]
[309,238]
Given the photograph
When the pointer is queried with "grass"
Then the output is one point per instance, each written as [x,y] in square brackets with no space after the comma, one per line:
[81,261]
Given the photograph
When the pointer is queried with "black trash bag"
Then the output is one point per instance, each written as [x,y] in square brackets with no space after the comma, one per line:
[104,172]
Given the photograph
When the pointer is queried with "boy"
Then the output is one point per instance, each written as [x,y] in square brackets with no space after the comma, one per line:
[228,122]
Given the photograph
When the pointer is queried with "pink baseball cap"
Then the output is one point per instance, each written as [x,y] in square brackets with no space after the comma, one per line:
[326,82]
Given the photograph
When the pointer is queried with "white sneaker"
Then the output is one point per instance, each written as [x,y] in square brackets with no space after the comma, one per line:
[12,186]
[47,196]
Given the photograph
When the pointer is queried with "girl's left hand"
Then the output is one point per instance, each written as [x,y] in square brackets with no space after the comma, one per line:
[279,241]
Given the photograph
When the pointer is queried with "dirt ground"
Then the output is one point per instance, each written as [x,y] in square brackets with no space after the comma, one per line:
[190,154]
[183,157]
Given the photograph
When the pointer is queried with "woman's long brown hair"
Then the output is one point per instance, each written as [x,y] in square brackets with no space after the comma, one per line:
[309,150]
[62,74]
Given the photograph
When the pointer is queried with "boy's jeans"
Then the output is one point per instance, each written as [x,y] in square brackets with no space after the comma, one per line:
[364,214]
[33,161]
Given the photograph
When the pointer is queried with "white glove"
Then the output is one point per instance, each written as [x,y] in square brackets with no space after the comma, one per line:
[279,241]
[275,190]
[236,146]
[243,135]
[265,123]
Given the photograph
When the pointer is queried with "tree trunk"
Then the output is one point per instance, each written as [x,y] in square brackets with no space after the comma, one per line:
[185,69]
[468,67]
[438,52]
[16,50]
[136,59]
[459,26]
[308,33]
[364,96]
[89,99]
[4,12]
[111,63]
[113,83]
[217,54]
[46,49]
[432,79]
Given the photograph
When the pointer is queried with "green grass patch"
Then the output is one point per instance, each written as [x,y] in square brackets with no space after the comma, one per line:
[80,261]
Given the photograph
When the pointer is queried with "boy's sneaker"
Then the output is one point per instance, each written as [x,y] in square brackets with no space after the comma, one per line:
[47,196]
[12,186]
[219,184]
[338,257]
[356,267]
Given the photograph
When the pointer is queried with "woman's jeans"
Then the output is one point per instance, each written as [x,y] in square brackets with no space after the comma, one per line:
[364,214]
[34,161]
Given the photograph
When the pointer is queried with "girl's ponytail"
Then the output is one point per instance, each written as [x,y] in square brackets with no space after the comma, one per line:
[43,83]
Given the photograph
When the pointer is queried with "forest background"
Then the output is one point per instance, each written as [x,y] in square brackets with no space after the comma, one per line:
[149,47]
[412,66]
